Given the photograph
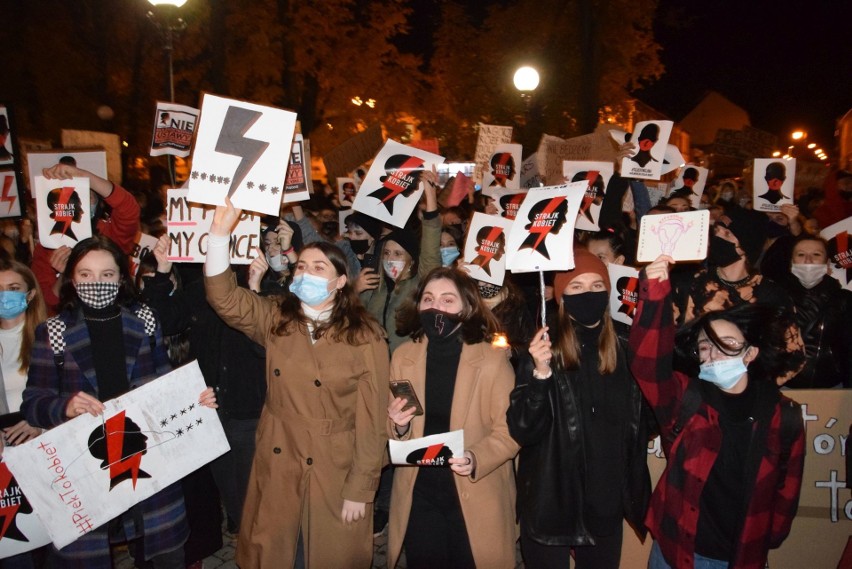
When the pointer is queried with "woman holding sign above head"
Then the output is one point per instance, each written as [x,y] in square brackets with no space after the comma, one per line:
[581,422]
[459,514]
[101,345]
[321,436]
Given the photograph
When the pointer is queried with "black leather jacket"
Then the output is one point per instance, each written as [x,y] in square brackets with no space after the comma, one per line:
[544,418]
[823,314]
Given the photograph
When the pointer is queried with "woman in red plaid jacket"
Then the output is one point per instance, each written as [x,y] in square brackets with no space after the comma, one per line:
[735,445]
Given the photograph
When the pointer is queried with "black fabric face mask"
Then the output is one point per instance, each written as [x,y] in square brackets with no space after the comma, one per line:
[329,228]
[587,308]
[438,325]
[722,252]
[359,246]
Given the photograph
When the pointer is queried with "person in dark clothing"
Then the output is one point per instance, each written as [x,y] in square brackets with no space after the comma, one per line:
[578,415]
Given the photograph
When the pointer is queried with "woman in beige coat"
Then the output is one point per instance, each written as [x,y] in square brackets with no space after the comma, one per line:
[461,516]
[321,436]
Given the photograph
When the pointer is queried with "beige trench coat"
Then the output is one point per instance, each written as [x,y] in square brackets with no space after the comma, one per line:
[320,440]
[480,400]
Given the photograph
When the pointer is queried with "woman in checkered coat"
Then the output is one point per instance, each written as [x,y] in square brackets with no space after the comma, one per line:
[101,345]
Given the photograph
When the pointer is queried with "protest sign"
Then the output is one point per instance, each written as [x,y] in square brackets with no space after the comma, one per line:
[530,175]
[434,450]
[485,248]
[188,225]
[347,188]
[353,152]
[88,470]
[597,176]
[651,143]
[298,172]
[62,208]
[94,161]
[690,184]
[672,160]
[144,244]
[541,238]
[390,188]
[461,188]
[773,183]
[7,156]
[241,152]
[839,237]
[174,126]
[506,202]
[501,170]
[21,530]
[489,138]
[10,197]
[108,142]
[682,236]
[553,151]
[623,292]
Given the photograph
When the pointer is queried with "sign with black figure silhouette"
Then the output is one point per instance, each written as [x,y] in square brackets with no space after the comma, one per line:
[773,183]
[6,149]
[10,198]
[623,292]
[503,168]
[174,127]
[596,175]
[485,248]
[651,139]
[298,172]
[241,152]
[542,234]
[62,207]
[839,238]
[392,187]
[89,470]
[682,236]
[20,528]
[434,450]
[690,184]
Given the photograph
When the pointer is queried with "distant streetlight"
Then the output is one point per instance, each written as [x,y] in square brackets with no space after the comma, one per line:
[798,135]
[776,154]
[812,145]
[526,79]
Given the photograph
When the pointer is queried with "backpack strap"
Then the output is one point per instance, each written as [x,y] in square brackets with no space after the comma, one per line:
[56,337]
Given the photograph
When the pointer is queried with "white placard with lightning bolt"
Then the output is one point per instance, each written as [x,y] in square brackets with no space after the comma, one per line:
[241,151]
[10,203]
[88,470]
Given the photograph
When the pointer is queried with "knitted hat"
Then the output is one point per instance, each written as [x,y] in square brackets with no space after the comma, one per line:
[369,224]
[408,241]
[584,262]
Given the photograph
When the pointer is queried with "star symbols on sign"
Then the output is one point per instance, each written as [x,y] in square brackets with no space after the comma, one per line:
[219,180]
[274,190]
[249,185]
[199,421]
[189,427]
[203,176]
[164,422]
[191,406]
[179,432]
[262,187]
[194,175]
[174,416]
[212,177]
[183,411]
[227,180]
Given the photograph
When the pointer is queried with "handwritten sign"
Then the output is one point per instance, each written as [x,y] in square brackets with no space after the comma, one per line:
[144,245]
[682,236]
[490,137]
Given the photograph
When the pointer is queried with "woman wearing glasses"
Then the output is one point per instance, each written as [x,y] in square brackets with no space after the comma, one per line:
[735,445]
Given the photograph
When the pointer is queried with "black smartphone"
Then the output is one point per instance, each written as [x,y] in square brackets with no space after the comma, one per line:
[371,261]
[404,390]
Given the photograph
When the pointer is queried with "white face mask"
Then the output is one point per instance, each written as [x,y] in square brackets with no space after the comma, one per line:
[393,269]
[809,275]
[277,262]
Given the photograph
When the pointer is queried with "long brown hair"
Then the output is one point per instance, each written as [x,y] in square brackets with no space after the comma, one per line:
[36,310]
[478,324]
[349,321]
[566,346]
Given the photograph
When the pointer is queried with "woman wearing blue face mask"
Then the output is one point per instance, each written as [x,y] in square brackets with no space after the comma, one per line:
[321,436]
[735,444]
[21,310]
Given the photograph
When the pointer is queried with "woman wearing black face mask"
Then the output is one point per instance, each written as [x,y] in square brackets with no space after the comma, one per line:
[581,423]
[461,516]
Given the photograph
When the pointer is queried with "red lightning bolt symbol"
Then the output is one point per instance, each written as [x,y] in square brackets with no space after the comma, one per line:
[411,164]
[65,214]
[115,444]
[7,187]
[842,240]
[432,452]
[543,230]
[8,512]
[591,176]
[487,255]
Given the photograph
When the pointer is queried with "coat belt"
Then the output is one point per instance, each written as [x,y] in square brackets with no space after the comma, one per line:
[322,427]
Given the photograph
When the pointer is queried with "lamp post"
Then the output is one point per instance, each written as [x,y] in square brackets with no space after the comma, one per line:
[526,81]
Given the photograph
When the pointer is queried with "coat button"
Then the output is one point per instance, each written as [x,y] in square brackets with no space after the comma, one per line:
[310,461]
[317,382]
[277,450]
[276,372]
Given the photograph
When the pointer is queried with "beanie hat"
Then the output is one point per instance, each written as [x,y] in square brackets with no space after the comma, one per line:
[369,224]
[584,262]
[408,241]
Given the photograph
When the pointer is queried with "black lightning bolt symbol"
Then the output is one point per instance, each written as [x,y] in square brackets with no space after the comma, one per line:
[439,323]
[232,141]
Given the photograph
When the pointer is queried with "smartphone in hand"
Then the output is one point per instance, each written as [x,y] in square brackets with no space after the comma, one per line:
[404,390]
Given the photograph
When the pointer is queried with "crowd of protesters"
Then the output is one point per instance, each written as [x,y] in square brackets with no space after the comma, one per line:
[299,349]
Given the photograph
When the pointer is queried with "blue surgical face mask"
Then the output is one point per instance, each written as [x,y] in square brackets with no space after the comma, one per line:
[310,289]
[13,303]
[723,373]
[448,255]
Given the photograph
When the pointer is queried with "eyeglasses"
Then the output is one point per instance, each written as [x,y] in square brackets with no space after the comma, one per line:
[705,349]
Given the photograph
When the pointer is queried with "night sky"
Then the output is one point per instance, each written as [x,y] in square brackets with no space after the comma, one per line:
[788,64]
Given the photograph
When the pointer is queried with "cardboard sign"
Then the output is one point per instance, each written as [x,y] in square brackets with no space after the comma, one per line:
[651,139]
[347,188]
[144,245]
[188,225]
[541,238]
[530,175]
[553,151]
[390,190]
[7,158]
[682,236]
[21,530]
[489,138]
[353,152]
[241,152]
[298,173]
[174,126]
[501,170]
[597,176]
[773,183]
[94,161]
[623,292]
[434,450]
[690,184]
[485,248]
[62,207]
[10,197]
[88,470]
[839,237]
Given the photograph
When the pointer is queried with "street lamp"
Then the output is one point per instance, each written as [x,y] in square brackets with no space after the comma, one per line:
[526,80]
[169,24]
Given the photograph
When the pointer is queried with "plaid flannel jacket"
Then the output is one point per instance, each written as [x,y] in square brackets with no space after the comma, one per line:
[773,495]
[163,517]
